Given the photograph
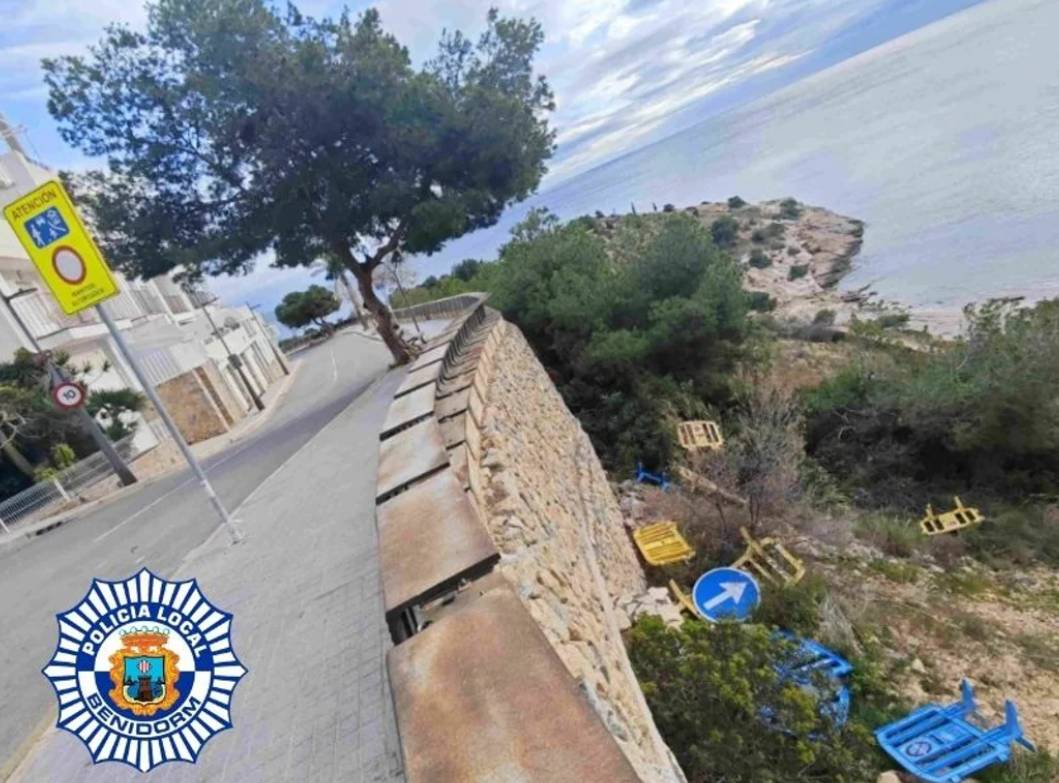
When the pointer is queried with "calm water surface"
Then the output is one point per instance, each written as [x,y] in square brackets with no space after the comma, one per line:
[945,141]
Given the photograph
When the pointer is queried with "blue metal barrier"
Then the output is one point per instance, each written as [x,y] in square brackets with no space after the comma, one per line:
[941,744]
[819,671]
[643,477]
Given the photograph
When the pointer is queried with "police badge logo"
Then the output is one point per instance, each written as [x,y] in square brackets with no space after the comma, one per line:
[144,671]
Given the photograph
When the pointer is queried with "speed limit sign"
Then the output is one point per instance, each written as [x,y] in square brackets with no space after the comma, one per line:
[68,395]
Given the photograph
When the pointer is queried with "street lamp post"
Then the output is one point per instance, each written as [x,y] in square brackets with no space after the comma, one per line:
[235,361]
[275,351]
[57,375]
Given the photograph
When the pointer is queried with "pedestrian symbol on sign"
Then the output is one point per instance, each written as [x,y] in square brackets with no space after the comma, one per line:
[47,227]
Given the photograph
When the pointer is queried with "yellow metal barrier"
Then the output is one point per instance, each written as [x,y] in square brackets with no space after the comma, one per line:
[695,435]
[684,599]
[959,518]
[770,560]
[661,544]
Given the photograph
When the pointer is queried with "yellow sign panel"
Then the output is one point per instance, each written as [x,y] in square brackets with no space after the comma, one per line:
[63,251]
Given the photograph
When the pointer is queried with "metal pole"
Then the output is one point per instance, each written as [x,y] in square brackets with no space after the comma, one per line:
[148,388]
[233,360]
[57,375]
[268,339]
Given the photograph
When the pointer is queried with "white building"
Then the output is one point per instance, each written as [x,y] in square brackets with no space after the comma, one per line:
[166,329]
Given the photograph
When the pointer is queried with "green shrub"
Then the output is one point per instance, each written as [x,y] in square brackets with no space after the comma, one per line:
[794,608]
[797,272]
[790,209]
[761,302]
[62,456]
[735,202]
[977,417]
[706,687]
[895,536]
[632,342]
[759,259]
[725,231]
[1024,767]
[793,251]
[902,573]
[892,320]
[824,317]
[1016,536]
[759,235]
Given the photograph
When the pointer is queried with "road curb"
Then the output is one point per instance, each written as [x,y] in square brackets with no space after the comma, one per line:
[20,537]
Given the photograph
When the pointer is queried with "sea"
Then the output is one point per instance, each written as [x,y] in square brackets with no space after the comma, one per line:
[944,141]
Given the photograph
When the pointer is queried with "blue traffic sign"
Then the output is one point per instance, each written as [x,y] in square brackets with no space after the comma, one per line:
[726,594]
[47,227]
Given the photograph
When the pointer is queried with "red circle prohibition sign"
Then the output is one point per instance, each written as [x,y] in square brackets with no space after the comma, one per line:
[68,395]
[68,265]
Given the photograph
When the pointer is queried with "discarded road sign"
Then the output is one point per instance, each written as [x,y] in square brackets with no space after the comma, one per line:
[661,543]
[63,251]
[68,395]
[644,477]
[726,594]
[695,435]
[944,745]
[769,559]
[950,521]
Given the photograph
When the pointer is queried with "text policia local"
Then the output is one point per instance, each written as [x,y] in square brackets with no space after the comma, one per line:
[128,614]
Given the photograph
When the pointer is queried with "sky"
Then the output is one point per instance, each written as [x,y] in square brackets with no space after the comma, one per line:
[626,73]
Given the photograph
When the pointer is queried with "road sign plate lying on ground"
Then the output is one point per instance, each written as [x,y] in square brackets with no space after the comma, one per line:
[695,435]
[947,744]
[661,544]
[770,560]
[726,594]
[950,521]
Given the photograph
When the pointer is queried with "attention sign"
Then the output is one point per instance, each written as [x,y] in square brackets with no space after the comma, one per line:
[63,251]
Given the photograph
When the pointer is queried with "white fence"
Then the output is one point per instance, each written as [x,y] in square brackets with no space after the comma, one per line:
[62,488]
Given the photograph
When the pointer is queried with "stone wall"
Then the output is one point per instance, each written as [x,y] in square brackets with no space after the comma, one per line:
[192,408]
[551,512]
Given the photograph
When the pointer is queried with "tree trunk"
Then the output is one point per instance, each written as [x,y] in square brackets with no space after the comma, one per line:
[354,299]
[15,456]
[385,323]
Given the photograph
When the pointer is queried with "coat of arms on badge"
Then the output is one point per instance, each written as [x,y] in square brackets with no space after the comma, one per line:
[144,671]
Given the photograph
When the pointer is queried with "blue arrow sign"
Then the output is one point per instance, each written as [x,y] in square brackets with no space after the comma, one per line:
[726,594]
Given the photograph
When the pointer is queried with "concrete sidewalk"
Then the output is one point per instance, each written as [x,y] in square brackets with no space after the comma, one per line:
[308,624]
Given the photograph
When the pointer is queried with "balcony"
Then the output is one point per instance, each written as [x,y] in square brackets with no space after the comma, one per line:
[43,318]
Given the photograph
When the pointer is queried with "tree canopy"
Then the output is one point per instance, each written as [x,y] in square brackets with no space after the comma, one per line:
[312,306]
[231,130]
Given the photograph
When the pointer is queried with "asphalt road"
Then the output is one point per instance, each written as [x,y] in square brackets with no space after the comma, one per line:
[155,526]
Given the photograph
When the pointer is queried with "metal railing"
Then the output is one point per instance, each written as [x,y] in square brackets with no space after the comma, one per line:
[43,317]
[63,486]
[441,308]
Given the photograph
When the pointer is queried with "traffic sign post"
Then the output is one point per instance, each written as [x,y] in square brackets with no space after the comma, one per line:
[726,594]
[68,395]
[119,339]
[63,251]
[66,256]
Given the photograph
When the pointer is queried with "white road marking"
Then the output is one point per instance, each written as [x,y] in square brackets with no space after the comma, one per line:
[334,368]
